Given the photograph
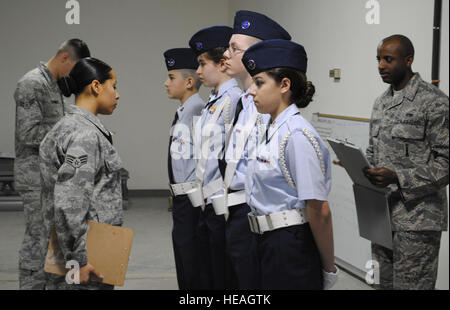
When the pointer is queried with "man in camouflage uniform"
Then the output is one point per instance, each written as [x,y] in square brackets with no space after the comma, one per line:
[39,105]
[409,149]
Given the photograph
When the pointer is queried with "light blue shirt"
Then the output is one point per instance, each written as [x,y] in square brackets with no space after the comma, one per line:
[182,148]
[217,142]
[249,108]
[267,189]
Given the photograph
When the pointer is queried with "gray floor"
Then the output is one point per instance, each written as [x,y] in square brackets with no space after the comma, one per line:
[151,265]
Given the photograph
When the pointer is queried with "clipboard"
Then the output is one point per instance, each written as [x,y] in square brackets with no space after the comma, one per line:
[374,220]
[354,162]
[372,202]
[108,248]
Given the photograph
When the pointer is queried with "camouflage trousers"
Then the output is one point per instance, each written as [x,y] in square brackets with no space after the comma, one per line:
[413,262]
[31,256]
[32,280]
[55,282]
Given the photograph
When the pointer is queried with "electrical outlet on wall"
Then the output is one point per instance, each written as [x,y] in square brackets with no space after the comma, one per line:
[336,74]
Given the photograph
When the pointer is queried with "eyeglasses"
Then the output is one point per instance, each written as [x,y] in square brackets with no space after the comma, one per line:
[233,50]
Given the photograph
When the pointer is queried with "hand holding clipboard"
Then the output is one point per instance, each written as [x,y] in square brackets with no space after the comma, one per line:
[379,177]
[353,160]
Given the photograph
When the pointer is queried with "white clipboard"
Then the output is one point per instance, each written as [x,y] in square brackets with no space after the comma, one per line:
[354,162]
[372,204]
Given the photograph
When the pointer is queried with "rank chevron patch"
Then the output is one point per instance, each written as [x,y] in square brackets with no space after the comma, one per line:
[76,162]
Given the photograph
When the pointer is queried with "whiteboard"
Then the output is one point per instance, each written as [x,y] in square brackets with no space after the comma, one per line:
[353,252]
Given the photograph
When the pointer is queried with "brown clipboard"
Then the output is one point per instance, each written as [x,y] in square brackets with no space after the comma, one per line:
[108,250]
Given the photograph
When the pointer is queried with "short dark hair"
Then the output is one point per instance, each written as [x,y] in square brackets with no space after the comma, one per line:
[216,54]
[405,43]
[186,73]
[77,49]
[302,90]
[83,73]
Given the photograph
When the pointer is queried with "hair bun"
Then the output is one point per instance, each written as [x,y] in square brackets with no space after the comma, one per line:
[67,85]
[307,96]
[310,90]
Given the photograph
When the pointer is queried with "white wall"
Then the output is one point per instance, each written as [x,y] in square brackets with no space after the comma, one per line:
[335,35]
[130,36]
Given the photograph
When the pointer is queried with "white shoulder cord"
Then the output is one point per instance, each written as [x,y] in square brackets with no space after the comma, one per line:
[283,165]
[260,132]
[316,146]
[227,124]
[227,116]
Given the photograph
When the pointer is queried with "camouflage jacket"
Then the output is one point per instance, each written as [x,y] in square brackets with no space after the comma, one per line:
[80,181]
[409,135]
[39,106]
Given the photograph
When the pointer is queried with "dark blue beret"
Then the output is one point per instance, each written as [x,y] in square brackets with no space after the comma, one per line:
[180,58]
[210,38]
[259,26]
[271,54]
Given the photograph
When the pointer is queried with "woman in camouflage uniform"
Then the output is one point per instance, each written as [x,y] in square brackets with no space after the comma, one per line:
[80,169]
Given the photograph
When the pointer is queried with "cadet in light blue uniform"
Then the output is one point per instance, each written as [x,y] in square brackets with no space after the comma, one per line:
[210,44]
[183,84]
[228,89]
[288,182]
[211,135]
[249,29]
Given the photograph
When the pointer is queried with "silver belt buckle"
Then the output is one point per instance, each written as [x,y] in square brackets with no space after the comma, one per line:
[250,222]
[255,224]
[171,190]
[269,222]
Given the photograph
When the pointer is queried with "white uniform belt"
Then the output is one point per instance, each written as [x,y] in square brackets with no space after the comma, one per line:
[181,188]
[198,194]
[212,187]
[265,223]
[222,202]
[236,198]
